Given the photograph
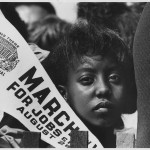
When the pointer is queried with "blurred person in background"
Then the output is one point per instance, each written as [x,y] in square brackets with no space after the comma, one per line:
[117,16]
[46,32]
[31,12]
[13,17]
[10,13]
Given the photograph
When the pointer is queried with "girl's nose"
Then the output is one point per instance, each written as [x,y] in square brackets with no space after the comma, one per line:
[102,89]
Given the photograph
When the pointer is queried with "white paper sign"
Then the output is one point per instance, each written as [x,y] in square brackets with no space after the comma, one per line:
[28,94]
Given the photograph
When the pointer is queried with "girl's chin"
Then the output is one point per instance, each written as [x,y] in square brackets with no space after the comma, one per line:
[101,123]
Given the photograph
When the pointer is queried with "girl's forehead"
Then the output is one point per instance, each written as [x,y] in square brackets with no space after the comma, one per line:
[95,61]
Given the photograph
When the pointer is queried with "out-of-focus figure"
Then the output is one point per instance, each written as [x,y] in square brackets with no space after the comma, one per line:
[13,17]
[46,32]
[121,17]
[31,12]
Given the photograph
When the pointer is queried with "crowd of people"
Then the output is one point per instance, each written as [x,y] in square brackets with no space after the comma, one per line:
[90,62]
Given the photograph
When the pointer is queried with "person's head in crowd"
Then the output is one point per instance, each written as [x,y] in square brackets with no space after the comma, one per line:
[31,12]
[116,16]
[13,17]
[92,69]
[47,31]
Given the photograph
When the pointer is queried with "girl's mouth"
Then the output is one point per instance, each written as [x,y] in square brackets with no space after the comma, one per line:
[103,106]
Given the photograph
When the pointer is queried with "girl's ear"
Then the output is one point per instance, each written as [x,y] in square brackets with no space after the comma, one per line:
[63,91]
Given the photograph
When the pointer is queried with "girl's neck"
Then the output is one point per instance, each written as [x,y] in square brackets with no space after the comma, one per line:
[106,135]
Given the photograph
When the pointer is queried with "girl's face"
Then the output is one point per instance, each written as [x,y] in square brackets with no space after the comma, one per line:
[96,90]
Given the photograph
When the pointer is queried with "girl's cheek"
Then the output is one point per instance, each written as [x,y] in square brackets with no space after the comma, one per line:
[119,93]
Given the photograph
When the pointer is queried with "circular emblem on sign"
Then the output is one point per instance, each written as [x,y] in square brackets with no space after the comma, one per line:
[8,55]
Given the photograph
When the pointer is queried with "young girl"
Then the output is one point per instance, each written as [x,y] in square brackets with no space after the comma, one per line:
[93,70]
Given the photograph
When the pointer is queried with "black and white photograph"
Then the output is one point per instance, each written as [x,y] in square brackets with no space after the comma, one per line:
[74,74]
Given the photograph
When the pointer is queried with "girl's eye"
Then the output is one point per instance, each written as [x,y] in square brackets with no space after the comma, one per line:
[86,80]
[115,78]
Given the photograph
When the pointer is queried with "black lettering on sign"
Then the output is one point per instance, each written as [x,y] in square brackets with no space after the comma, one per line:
[94,146]
[60,115]
[53,105]
[57,132]
[41,95]
[52,136]
[45,132]
[33,121]
[13,86]
[27,101]
[38,127]
[30,80]
[61,142]
[89,142]
[50,126]
[70,127]
[27,115]
[36,113]
[43,119]
[67,145]
[21,109]
[64,139]
[20,93]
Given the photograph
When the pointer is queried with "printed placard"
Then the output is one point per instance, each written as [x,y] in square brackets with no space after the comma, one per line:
[28,94]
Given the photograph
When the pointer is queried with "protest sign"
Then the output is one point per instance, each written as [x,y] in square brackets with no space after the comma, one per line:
[28,94]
